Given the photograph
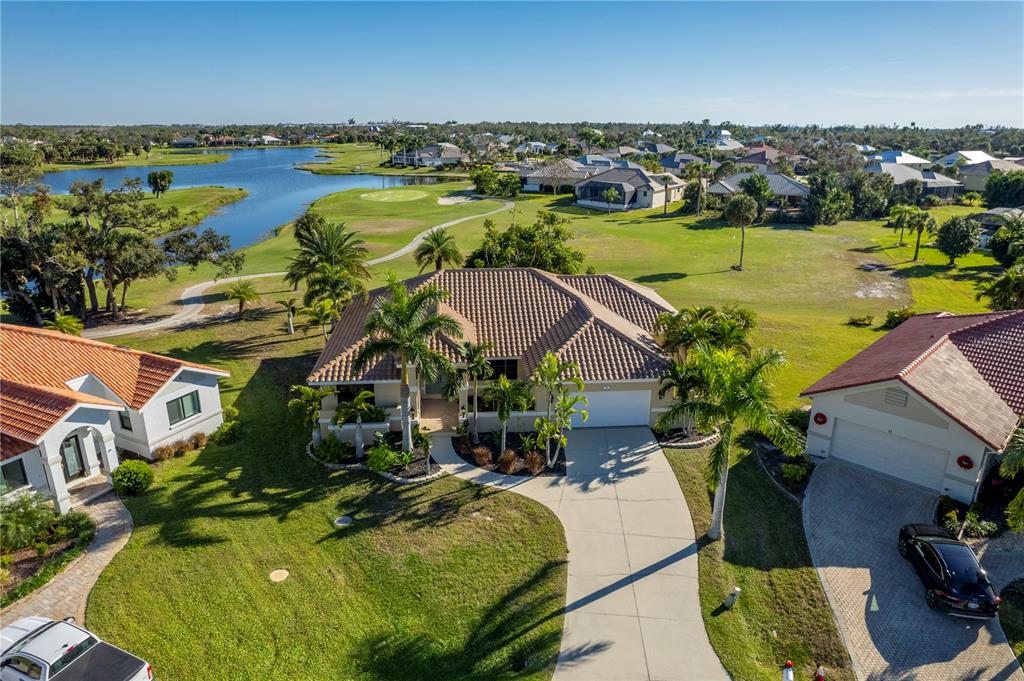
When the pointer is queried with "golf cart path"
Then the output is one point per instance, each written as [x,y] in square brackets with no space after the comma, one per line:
[192,297]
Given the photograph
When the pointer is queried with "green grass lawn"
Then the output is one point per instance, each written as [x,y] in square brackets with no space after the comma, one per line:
[439,580]
[156,157]
[782,613]
[348,159]
[1011,617]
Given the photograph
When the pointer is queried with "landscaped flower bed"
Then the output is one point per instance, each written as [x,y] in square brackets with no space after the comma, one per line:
[521,457]
[37,544]
[383,455]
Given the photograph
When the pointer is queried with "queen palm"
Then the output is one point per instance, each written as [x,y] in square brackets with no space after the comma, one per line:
[323,313]
[321,242]
[438,249]
[565,408]
[552,375]
[243,292]
[507,396]
[65,323]
[402,323]
[697,172]
[307,404]
[477,368]
[899,216]
[919,222]
[358,408]
[290,306]
[685,328]
[733,389]
[331,282]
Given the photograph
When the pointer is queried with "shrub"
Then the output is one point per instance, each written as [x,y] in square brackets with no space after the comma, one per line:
[333,450]
[6,560]
[163,453]
[535,462]
[948,505]
[60,533]
[24,518]
[382,457]
[132,477]
[230,413]
[795,472]
[482,456]
[799,418]
[228,432]
[378,415]
[931,200]
[5,575]
[181,447]
[865,321]
[41,548]
[198,440]
[969,199]
[896,316]
[509,463]
[77,523]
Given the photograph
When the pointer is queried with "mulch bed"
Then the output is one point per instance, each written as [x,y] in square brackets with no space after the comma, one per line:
[772,459]
[415,468]
[678,437]
[520,443]
[995,494]
[26,562]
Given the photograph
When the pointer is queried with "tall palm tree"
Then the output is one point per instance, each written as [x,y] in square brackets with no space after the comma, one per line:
[307,405]
[1006,292]
[565,409]
[243,292]
[696,172]
[1013,464]
[358,408]
[320,242]
[438,249]
[898,217]
[552,375]
[920,221]
[477,368]
[331,282]
[290,306]
[733,390]
[65,323]
[402,323]
[323,313]
[507,396]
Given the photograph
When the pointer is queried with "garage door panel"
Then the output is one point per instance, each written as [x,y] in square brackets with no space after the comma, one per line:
[615,408]
[899,457]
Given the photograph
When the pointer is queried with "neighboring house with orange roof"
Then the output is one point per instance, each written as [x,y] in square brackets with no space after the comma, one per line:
[601,322]
[932,403]
[69,406]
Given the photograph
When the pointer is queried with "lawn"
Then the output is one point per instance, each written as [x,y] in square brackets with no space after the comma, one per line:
[438,580]
[1011,617]
[156,157]
[347,159]
[782,613]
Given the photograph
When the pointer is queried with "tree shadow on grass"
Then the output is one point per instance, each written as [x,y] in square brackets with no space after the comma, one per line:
[508,640]
[660,277]
[708,223]
[972,273]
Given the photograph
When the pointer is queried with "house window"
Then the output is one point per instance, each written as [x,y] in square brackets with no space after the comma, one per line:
[12,476]
[183,407]
[126,420]
[347,393]
[509,368]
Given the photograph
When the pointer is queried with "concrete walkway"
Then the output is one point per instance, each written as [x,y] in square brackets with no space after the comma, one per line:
[66,594]
[632,609]
[852,519]
[192,303]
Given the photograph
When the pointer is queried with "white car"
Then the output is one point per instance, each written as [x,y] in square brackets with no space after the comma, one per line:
[40,649]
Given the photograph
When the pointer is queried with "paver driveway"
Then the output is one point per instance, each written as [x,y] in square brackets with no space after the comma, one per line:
[852,519]
[632,610]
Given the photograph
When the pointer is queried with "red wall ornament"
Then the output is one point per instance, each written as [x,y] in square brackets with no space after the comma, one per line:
[965,462]
[820,419]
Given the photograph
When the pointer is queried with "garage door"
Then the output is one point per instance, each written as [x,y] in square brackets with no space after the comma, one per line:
[899,457]
[616,408]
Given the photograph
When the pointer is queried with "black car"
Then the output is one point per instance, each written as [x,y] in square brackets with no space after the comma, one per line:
[953,579]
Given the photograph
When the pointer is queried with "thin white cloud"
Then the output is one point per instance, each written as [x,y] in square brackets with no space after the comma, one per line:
[929,95]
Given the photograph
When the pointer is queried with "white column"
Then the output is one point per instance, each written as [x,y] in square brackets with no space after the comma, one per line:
[89,453]
[55,476]
[110,459]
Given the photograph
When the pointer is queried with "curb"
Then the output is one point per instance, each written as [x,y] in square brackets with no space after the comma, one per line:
[707,441]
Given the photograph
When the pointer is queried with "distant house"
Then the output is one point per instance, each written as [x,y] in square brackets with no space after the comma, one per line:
[764,159]
[506,139]
[934,183]
[787,191]
[975,175]
[677,162]
[901,158]
[862,148]
[656,148]
[557,176]
[964,157]
[626,150]
[636,188]
[431,156]
[601,161]
[994,218]
[221,141]
[531,148]
[185,142]
[270,140]
[720,140]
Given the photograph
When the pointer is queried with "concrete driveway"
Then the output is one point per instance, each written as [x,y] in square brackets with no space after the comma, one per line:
[852,518]
[632,610]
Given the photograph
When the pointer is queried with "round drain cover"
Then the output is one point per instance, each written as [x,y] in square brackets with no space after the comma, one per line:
[278,575]
[343,521]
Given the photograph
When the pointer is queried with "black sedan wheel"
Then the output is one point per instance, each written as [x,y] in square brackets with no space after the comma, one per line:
[902,547]
[929,598]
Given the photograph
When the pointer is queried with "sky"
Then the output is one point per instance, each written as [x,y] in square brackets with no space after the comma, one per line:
[938,64]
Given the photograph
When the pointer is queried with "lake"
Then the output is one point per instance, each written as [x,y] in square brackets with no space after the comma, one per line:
[278,192]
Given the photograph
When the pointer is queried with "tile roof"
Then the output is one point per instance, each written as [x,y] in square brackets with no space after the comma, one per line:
[522,313]
[27,411]
[987,167]
[969,366]
[781,185]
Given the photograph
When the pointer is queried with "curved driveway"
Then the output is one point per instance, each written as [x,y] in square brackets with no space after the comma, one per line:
[632,611]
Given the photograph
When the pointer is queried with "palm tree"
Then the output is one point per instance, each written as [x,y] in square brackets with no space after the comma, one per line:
[683,329]
[898,216]
[920,221]
[680,379]
[507,396]
[565,409]
[740,212]
[1006,292]
[291,307]
[1013,463]
[321,242]
[244,292]
[732,389]
[477,368]
[610,196]
[331,282]
[322,313]
[437,248]
[552,375]
[307,405]
[358,407]
[696,172]
[403,323]
[65,323]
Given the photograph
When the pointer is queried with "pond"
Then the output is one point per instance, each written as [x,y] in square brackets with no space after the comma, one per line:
[278,192]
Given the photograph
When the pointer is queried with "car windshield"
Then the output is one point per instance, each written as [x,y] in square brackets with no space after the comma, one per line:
[71,654]
[962,564]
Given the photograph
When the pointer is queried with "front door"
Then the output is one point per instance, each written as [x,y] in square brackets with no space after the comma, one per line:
[71,457]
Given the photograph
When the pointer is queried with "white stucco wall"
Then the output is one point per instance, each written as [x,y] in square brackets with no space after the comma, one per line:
[156,429]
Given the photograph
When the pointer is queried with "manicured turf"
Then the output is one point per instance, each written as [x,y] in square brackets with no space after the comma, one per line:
[1011,617]
[346,159]
[392,195]
[156,157]
[782,613]
[440,580]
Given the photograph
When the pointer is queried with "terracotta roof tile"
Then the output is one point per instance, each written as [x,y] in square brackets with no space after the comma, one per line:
[28,411]
[11,446]
[633,302]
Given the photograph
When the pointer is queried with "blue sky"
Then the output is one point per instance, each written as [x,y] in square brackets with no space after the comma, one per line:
[934,63]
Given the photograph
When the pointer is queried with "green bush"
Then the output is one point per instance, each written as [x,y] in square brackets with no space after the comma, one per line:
[333,450]
[896,316]
[132,477]
[41,548]
[377,415]
[795,472]
[382,457]
[230,413]
[862,322]
[799,418]
[77,523]
[24,519]
[6,560]
[228,432]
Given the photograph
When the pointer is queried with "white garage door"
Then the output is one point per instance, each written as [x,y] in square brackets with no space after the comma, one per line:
[899,457]
[616,408]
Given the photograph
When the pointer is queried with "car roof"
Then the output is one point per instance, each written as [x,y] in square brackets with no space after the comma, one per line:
[51,641]
[959,559]
[19,629]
